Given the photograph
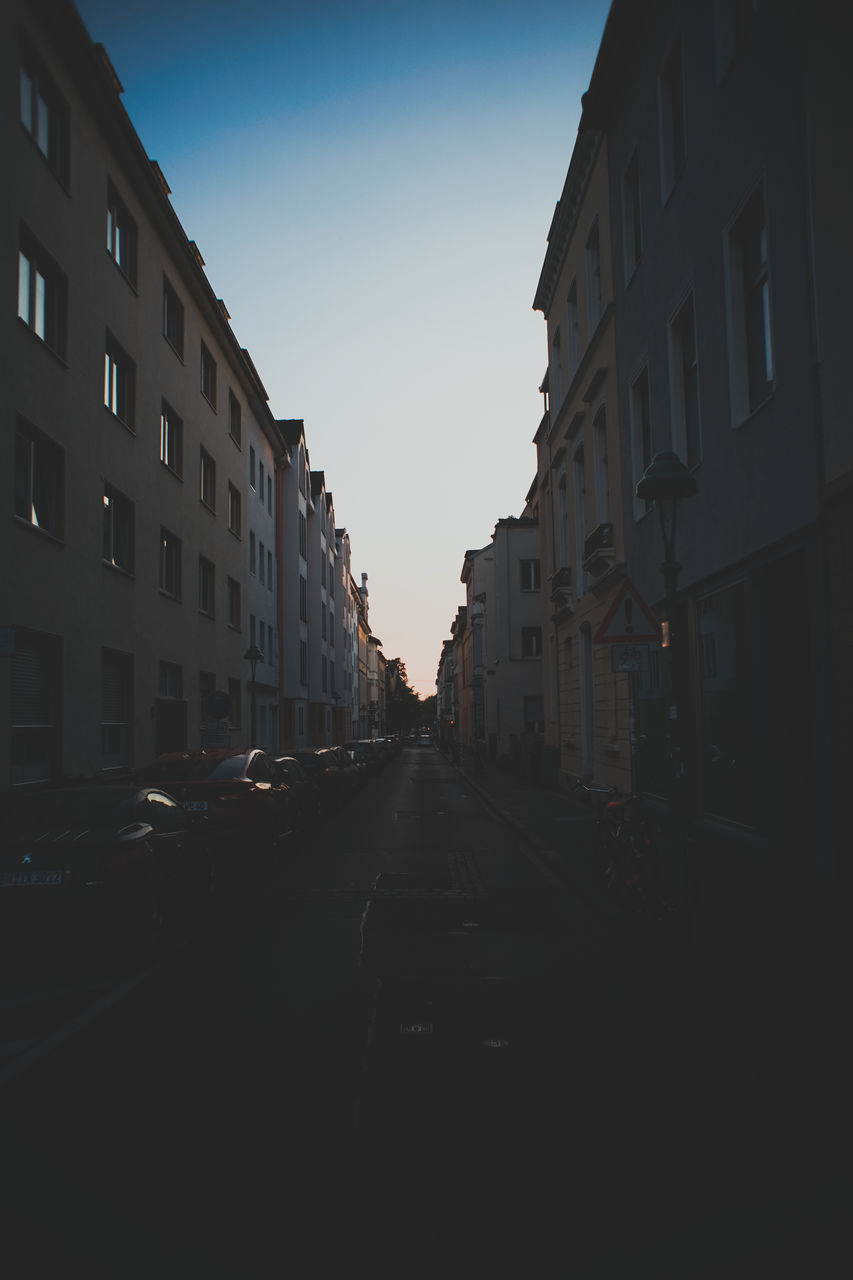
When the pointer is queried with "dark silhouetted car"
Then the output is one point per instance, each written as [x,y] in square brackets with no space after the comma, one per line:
[118,864]
[324,766]
[306,791]
[239,791]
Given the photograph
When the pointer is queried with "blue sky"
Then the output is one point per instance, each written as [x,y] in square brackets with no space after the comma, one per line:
[371,186]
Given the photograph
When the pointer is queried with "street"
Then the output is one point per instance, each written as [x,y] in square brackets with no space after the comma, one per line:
[501,1070]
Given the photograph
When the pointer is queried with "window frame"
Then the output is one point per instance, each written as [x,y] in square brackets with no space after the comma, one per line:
[171,430]
[632,216]
[173,318]
[208,375]
[54,146]
[681,376]
[121,230]
[119,505]
[170,550]
[207,480]
[235,510]
[235,415]
[672,119]
[119,383]
[530,574]
[531,640]
[235,605]
[45,310]
[42,454]
[742,357]
[594,281]
[206,587]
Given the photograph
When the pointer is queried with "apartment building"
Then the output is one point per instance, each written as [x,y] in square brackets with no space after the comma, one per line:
[296,502]
[706,113]
[128,401]
[346,642]
[321,552]
[579,482]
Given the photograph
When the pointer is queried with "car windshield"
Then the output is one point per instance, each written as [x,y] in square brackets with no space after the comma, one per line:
[233,767]
[90,807]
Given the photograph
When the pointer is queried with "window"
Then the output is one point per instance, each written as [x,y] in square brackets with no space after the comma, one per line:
[600,463]
[234,609]
[269,494]
[531,642]
[735,19]
[173,318]
[235,419]
[253,553]
[593,276]
[118,547]
[632,226]
[36,702]
[303,662]
[534,714]
[323,571]
[206,587]
[323,622]
[121,235]
[206,690]
[261,480]
[234,523]
[641,433]
[579,508]
[171,439]
[529,575]
[44,115]
[171,680]
[39,481]
[235,690]
[303,488]
[671,105]
[269,571]
[170,564]
[208,376]
[207,480]
[119,382]
[573,346]
[750,321]
[42,294]
[262,637]
[261,561]
[303,598]
[303,536]
[116,709]
[252,629]
[556,372]
[252,466]
[684,385]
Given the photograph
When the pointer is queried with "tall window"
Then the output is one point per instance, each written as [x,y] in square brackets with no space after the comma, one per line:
[684,385]
[39,480]
[593,276]
[206,690]
[632,224]
[751,342]
[563,521]
[206,587]
[252,466]
[269,570]
[671,109]
[171,680]
[235,419]
[261,563]
[173,318]
[573,345]
[303,598]
[42,294]
[602,473]
[36,705]
[531,642]
[119,382]
[303,662]
[261,481]
[555,372]
[253,553]
[44,115]
[170,564]
[234,607]
[641,433]
[303,536]
[269,494]
[529,575]
[118,540]
[207,480]
[121,235]
[234,522]
[579,505]
[116,709]
[171,439]
[208,376]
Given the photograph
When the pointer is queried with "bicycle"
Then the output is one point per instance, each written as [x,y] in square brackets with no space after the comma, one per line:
[626,850]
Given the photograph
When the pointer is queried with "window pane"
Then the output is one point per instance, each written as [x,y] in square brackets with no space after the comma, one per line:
[24,287]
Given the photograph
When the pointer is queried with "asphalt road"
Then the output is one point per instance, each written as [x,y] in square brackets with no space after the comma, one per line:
[502,1081]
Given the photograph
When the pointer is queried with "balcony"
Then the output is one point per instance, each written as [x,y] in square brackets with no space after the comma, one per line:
[598,550]
[561,593]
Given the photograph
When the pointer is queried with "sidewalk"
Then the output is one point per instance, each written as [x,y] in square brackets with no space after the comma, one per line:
[757,952]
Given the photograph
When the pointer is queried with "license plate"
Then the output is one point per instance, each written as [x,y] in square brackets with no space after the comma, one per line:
[194,806]
[17,879]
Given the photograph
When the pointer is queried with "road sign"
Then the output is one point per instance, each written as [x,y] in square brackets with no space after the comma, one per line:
[629,657]
[629,619]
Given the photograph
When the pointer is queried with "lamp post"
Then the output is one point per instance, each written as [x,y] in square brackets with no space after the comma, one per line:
[253,655]
[665,482]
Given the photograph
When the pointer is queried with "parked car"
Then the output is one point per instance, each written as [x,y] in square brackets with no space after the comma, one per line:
[306,791]
[363,750]
[240,792]
[351,773]
[325,768]
[114,864]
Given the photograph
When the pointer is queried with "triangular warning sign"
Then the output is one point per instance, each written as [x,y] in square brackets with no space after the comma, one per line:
[629,619]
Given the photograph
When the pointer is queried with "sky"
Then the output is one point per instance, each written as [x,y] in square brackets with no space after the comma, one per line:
[371,185]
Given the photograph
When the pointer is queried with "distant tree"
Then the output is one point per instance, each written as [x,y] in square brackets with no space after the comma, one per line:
[403,707]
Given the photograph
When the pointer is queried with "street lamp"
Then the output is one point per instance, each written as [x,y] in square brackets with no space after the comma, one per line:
[254,656]
[665,482]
